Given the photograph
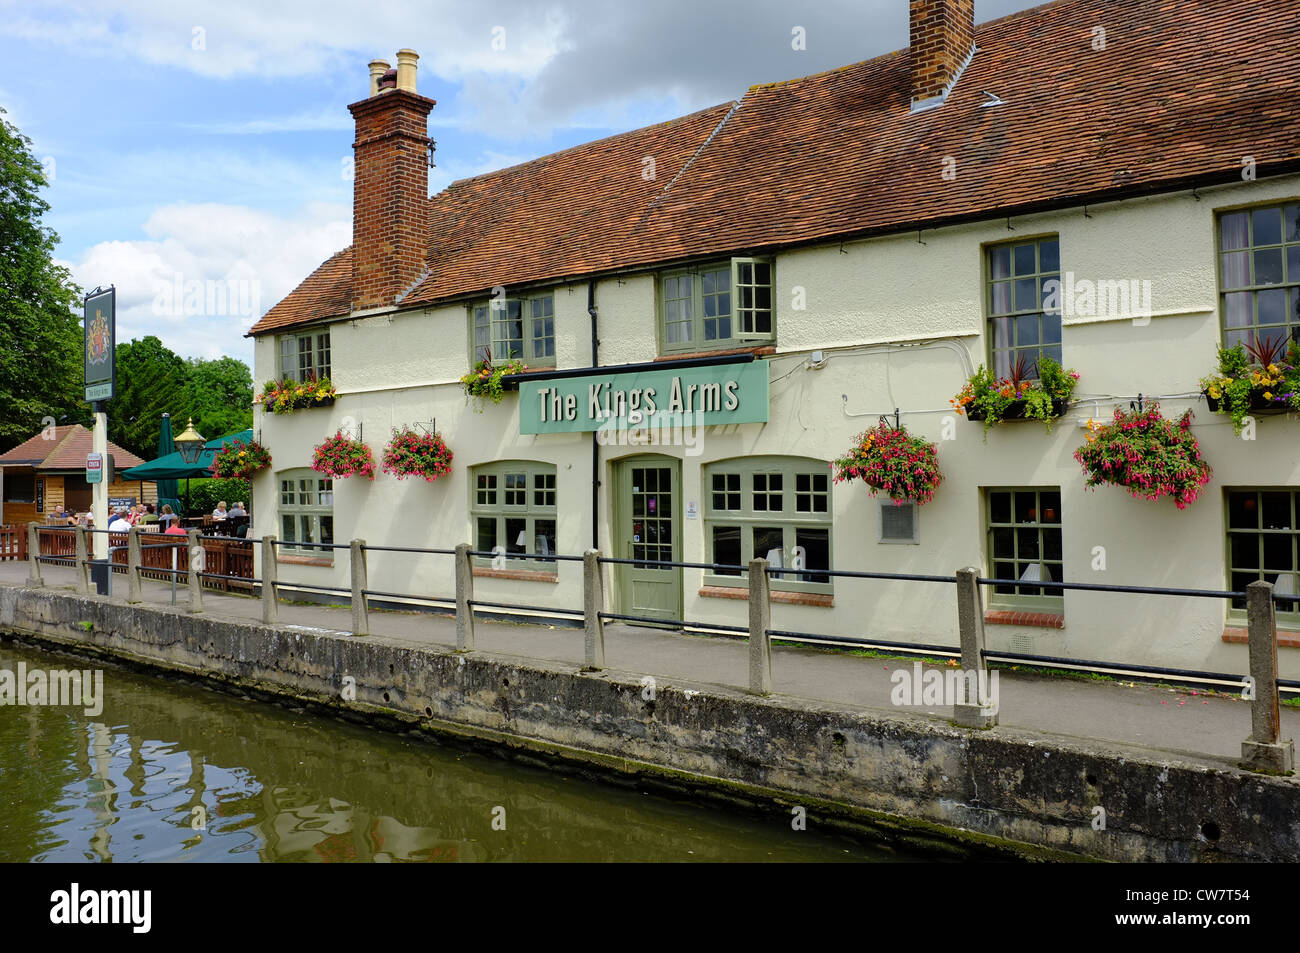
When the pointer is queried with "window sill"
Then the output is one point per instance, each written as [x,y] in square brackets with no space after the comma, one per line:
[823,599]
[1038,620]
[525,575]
[759,351]
[304,560]
[1285,639]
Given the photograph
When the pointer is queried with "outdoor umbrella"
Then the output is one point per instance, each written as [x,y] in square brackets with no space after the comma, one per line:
[173,467]
[167,489]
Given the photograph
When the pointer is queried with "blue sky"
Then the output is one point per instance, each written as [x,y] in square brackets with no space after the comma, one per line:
[205,142]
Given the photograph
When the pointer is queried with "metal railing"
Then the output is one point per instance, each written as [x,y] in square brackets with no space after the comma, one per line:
[1263,750]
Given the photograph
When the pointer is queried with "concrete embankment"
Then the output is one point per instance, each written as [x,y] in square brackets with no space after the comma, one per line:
[900,777]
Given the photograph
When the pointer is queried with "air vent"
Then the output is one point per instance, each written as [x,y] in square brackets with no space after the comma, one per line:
[898,523]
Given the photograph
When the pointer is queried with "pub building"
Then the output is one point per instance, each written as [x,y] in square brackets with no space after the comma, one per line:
[711,309]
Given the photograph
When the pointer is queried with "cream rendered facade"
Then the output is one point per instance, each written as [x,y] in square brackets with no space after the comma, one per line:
[901,323]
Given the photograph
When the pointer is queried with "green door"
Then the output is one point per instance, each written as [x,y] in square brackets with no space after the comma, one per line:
[648,527]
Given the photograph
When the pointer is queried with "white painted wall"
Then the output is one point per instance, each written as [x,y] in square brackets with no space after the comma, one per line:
[862,301]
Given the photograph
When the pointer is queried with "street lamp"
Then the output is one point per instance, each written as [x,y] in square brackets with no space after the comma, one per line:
[190,443]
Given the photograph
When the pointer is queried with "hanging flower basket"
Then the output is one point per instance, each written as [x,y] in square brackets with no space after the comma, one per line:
[993,399]
[286,396]
[341,456]
[890,460]
[1147,454]
[240,460]
[484,382]
[1258,378]
[415,454]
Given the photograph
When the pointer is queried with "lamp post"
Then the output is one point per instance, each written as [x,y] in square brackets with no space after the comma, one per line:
[189,444]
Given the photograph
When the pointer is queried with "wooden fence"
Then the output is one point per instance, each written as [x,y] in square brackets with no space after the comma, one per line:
[224,557]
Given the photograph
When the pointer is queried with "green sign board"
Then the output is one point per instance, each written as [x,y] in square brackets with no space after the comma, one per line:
[100,332]
[650,399]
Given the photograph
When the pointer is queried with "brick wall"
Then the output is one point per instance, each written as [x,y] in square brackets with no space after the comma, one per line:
[942,34]
[390,208]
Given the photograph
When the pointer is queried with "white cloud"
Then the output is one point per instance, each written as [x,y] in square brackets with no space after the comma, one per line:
[177,284]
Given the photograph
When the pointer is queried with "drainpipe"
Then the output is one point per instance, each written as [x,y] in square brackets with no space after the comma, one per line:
[595,444]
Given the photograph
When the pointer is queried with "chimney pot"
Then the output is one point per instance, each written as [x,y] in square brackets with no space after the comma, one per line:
[406,69]
[377,70]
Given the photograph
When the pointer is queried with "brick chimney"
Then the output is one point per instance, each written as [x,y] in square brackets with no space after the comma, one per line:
[943,41]
[390,205]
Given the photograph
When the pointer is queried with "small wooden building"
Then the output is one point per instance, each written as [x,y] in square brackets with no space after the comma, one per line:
[50,469]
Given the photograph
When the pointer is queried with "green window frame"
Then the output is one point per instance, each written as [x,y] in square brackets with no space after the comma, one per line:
[513,504]
[1024,544]
[716,305]
[518,328]
[1022,280]
[1259,273]
[1263,542]
[306,513]
[754,506]
[305,357]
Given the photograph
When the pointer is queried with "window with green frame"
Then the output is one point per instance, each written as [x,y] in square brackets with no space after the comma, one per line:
[512,504]
[720,304]
[1259,274]
[519,328]
[1024,544]
[305,357]
[1023,300]
[1263,538]
[774,508]
[306,513]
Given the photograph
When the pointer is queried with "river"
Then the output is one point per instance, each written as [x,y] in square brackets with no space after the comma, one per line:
[173,772]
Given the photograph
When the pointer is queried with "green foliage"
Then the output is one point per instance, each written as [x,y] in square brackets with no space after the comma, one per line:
[484,382]
[40,321]
[206,494]
[152,380]
[994,398]
[1255,378]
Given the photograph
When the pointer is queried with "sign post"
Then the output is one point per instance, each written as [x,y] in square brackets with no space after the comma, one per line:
[98,354]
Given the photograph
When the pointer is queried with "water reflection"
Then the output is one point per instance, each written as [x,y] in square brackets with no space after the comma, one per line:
[177,773]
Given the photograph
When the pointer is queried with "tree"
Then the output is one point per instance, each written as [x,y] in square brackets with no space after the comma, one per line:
[40,329]
[219,396]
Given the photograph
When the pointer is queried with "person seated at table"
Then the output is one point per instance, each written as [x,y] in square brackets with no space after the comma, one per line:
[119,523]
[167,516]
[174,528]
[220,512]
[149,515]
[61,518]
[238,509]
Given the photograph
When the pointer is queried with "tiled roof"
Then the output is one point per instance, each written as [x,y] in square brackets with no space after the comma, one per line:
[1178,96]
[66,449]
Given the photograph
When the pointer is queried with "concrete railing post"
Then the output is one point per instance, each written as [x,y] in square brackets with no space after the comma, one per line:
[270,603]
[34,556]
[197,563]
[83,561]
[1263,751]
[593,604]
[133,556]
[970,712]
[464,596]
[360,611]
[760,620]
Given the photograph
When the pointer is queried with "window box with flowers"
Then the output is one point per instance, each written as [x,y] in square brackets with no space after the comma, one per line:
[994,399]
[889,460]
[1147,454]
[341,456]
[286,396]
[416,454]
[484,381]
[240,460]
[1258,378]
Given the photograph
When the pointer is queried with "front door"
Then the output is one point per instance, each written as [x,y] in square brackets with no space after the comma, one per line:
[648,527]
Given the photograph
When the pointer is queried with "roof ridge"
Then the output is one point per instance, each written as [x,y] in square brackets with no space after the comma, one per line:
[654,202]
[72,429]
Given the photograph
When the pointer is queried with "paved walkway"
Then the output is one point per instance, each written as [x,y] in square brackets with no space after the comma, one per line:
[1196,727]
